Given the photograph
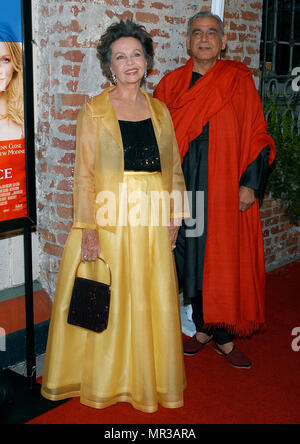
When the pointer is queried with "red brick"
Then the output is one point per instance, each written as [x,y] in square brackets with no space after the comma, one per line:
[72,27]
[73,99]
[250,16]
[65,213]
[63,170]
[76,11]
[68,158]
[48,236]
[266,213]
[71,70]
[70,42]
[256,5]
[247,61]
[53,250]
[231,15]
[231,36]
[252,50]
[239,49]
[175,20]
[124,16]
[147,17]
[46,98]
[160,5]
[72,86]
[133,4]
[66,199]
[64,144]
[61,226]
[112,2]
[62,239]
[65,185]
[43,167]
[48,11]
[159,33]
[72,56]
[68,114]
[238,27]
[70,130]
[44,127]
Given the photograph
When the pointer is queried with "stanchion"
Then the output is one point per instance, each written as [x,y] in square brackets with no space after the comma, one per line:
[30,341]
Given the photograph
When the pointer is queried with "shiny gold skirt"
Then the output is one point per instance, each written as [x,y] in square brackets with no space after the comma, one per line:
[139,358]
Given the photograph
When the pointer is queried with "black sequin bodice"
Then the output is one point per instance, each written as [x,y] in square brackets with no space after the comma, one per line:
[140,146]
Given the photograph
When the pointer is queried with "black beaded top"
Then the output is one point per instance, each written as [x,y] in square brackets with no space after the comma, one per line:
[141,151]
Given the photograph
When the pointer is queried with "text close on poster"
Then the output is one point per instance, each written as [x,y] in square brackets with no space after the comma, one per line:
[13,196]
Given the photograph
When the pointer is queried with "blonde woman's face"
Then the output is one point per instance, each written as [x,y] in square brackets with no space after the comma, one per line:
[6,67]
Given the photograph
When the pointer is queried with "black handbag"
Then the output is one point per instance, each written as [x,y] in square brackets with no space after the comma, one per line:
[90,303]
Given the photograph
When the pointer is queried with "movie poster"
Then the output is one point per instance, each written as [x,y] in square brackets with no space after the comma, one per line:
[13,199]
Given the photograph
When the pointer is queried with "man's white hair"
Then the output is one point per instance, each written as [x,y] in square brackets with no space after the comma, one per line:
[205,14]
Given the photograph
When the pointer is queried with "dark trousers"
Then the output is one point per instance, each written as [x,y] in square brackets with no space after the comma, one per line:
[220,335]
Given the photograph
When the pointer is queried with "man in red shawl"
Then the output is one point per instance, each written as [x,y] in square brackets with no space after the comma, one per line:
[225,151]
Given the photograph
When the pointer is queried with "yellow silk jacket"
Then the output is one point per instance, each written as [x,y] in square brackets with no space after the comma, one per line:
[99,162]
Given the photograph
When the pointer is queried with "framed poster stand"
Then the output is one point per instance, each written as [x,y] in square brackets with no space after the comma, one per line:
[20,398]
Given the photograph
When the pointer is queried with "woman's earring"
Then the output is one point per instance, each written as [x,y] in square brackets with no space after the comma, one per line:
[114,78]
[145,76]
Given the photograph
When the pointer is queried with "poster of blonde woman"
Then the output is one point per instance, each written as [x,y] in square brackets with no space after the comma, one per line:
[12,140]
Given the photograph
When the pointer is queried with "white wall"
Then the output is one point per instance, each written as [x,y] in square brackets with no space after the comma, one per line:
[12,261]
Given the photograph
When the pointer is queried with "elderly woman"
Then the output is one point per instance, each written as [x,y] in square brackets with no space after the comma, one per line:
[125,141]
[11,86]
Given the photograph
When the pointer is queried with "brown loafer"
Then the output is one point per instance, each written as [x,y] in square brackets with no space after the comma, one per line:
[236,358]
[192,346]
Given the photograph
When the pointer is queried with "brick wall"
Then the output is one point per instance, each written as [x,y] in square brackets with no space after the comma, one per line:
[67,74]
[243,21]
[282,240]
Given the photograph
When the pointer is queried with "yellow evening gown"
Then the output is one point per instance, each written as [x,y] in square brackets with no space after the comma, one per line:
[139,358]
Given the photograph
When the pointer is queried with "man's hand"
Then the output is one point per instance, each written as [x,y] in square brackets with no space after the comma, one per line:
[247,198]
[90,249]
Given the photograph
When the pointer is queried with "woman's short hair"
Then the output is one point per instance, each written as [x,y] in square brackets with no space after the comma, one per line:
[124,29]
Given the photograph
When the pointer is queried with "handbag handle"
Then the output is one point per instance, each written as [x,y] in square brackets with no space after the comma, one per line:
[107,266]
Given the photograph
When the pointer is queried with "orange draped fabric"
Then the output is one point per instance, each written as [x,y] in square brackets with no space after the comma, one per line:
[234,269]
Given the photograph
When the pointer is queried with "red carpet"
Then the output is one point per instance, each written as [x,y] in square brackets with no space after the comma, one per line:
[269,393]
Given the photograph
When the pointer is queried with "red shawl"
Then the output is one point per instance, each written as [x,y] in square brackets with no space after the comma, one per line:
[234,269]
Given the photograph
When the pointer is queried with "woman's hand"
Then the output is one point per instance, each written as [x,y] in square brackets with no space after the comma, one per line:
[173,232]
[247,198]
[90,247]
